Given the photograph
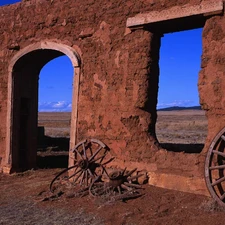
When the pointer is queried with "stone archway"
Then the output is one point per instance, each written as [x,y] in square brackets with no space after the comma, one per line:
[22,104]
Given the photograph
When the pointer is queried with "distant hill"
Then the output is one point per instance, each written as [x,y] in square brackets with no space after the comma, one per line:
[180,108]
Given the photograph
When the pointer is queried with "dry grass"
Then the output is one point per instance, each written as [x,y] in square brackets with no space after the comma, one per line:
[181,127]
[56,124]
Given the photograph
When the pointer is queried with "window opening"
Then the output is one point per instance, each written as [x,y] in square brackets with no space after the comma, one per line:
[181,124]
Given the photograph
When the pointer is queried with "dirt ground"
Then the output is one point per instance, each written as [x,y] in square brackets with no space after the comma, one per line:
[22,195]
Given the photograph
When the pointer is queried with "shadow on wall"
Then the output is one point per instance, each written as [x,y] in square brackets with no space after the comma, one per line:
[186,148]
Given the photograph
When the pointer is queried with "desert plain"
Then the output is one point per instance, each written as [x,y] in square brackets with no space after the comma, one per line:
[21,194]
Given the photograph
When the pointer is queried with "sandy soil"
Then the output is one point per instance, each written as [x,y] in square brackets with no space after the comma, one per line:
[22,194]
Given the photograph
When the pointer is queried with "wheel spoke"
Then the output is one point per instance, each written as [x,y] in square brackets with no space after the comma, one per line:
[76,150]
[218,181]
[78,177]
[124,171]
[119,189]
[219,153]
[110,160]
[104,170]
[134,177]
[222,197]
[58,175]
[83,177]
[98,150]
[105,152]
[106,190]
[131,172]
[73,158]
[86,177]
[74,174]
[133,185]
[217,167]
[223,137]
[94,160]
[125,187]
[84,150]
[89,171]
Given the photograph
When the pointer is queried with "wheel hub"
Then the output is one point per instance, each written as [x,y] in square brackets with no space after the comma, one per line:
[83,164]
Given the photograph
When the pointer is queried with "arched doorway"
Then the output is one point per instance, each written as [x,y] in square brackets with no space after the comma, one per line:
[24,69]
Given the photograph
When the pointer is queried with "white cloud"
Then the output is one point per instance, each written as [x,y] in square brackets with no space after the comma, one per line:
[60,106]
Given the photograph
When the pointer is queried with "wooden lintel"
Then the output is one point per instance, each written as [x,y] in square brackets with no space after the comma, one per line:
[206,8]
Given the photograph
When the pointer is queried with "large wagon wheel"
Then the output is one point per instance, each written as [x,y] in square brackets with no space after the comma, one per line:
[214,168]
[90,159]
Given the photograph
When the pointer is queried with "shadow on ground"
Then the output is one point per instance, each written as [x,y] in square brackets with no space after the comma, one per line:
[53,152]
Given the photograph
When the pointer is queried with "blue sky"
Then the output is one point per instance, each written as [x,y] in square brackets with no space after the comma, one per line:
[180,56]
[55,85]
[5,2]
[180,59]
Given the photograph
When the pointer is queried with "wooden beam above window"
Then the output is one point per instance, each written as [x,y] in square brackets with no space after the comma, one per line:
[206,8]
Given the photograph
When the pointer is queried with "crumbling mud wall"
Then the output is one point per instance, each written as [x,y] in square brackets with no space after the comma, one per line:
[119,72]
[211,77]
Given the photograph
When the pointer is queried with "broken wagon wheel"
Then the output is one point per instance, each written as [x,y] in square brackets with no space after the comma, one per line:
[214,168]
[89,161]
[99,188]
[119,186]
[61,181]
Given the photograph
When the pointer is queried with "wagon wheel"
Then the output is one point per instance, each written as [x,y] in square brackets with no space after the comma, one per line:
[99,188]
[119,186]
[214,168]
[90,158]
[62,181]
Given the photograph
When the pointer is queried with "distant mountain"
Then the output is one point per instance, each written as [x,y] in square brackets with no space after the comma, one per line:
[64,106]
[180,108]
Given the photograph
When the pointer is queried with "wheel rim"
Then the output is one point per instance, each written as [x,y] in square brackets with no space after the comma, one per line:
[119,185]
[214,168]
[61,180]
[90,158]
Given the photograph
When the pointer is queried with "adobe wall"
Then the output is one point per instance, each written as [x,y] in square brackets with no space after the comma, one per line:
[119,73]
[211,78]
